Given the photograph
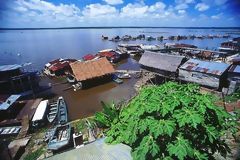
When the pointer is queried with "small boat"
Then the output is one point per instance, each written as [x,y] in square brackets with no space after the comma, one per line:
[70,78]
[104,37]
[60,138]
[124,76]
[62,111]
[77,86]
[151,47]
[116,79]
[53,111]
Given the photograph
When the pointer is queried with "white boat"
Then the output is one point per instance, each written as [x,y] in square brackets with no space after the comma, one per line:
[40,114]
[124,76]
[150,47]
[106,50]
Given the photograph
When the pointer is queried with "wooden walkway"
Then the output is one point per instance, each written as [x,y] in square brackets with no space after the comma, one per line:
[146,77]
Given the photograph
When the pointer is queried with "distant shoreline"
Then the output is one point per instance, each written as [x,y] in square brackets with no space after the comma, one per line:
[117,27]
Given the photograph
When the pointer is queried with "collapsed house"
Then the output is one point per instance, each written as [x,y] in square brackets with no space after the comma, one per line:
[207,73]
[164,65]
[92,73]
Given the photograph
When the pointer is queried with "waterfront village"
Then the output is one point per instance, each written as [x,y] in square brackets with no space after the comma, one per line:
[34,124]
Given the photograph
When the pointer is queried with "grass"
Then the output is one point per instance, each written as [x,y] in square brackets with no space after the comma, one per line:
[234,97]
[34,155]
[79,125]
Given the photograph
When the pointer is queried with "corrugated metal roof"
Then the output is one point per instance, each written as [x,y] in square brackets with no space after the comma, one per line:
[161,61]
[234,69]
[91,69]
[9,67]
[210,67]
[97,150]
[13,98]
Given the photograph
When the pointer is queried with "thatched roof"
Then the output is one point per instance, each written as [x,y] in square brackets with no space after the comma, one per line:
[91,69]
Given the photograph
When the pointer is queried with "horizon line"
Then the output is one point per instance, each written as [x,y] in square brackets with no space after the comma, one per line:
[110,27]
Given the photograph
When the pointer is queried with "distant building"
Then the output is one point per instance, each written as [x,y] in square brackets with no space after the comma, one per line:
[233,45]
[162,64]
[92,73]
[206,73]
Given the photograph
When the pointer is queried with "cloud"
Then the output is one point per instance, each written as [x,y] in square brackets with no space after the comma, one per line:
[201,7]
[134,10]
[184,1]
[220,2]
[217,16]
[98,10]
[43,13]
[47,8]
[140,10]
[181,11]
[157,7]
[113,2]
[181,6]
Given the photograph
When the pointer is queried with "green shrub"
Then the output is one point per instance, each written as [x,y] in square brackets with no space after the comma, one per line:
[107,116]
[172,121]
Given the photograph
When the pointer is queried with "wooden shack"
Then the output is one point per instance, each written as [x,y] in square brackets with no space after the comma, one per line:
[207,73]
[92,73]
[162,64]
[14,79]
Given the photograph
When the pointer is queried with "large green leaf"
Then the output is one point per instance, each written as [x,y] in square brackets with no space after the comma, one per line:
[180,148]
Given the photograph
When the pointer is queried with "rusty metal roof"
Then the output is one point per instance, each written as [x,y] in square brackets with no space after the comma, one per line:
[210,67]
[91,69]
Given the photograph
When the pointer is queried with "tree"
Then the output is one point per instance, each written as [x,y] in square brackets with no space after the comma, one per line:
[172,121]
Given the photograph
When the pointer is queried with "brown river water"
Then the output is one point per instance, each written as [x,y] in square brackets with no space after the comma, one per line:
[84,103]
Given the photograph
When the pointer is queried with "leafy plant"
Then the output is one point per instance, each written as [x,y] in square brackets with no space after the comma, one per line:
[79,126]
[172,121]
[107,116]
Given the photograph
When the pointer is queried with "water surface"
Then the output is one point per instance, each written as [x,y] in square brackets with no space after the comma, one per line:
[41,46]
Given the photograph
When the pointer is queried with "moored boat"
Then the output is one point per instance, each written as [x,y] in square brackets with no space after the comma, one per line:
[70,78]
[116,79]
[124,76]
[62,111]
[60,138]
[53,111]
